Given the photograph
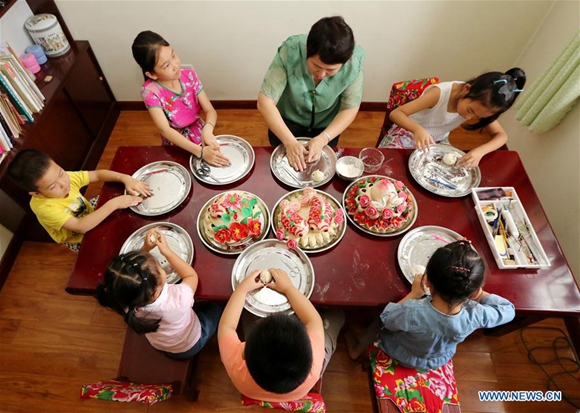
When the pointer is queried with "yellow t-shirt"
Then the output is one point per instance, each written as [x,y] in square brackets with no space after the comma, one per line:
[53,213]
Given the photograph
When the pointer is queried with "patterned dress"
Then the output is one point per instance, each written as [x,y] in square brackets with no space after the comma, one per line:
[181,109]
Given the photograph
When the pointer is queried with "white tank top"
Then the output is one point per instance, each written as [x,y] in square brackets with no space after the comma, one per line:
[437,120]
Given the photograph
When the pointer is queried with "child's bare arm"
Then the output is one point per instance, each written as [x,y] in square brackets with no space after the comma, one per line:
[133,186]
[400,116]
[300,304]
[155,238]
[88,222]
[498,138]
[231,315]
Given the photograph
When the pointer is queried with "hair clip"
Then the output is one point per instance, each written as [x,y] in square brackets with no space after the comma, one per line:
[460,269]
[500,80]
[518,90]
[135,264]
[144,278]
[121,258]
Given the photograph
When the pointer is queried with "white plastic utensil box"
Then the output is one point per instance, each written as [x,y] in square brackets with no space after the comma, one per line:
[522,246]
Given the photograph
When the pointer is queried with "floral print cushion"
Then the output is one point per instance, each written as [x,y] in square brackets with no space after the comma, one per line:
[118,391]
[408,90]
[412,390]
[312,402]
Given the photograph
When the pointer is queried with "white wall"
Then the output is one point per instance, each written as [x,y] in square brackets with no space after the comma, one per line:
[231,43]
[552,158]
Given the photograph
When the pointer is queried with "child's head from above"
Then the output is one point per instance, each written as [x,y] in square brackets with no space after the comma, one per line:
[455,272]
[132,280]
[329,45]
[278,353]
[489,95]
[36,172]
[156,57]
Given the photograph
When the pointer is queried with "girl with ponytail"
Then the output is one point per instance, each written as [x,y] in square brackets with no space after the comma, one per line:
[475,104]
[135,286]
[422,331]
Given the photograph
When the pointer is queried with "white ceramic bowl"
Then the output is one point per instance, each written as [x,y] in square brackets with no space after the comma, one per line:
[349,168]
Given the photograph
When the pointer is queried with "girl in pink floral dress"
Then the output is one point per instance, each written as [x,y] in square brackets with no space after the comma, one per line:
[175,98]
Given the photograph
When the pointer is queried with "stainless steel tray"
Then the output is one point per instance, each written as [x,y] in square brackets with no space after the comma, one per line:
[285,173]
[170,183]
[378,234]
[418,245]
[435,176]
[241,155]
[341,230]
[273,254]
[234,249]
[177,238]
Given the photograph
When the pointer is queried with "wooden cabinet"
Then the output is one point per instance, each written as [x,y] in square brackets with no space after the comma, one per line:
[73,128]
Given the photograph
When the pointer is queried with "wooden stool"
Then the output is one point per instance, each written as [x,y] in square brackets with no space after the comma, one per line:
[141,363]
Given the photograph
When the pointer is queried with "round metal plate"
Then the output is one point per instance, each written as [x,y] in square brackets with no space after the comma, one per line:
[170,183]
[213,245]
[285,173]
[379,234]
[273,254]
[319,248]
[177,238]
[429,170]
[242,158]
[418,245]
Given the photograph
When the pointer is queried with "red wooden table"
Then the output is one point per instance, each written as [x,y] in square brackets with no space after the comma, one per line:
[361,270]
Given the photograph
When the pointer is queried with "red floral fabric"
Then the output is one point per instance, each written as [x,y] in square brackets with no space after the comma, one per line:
[408,90]
[118,391]
[412,390]
[312,402]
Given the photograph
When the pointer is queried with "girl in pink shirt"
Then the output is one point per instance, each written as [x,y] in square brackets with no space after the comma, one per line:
[174,98]
[135,286]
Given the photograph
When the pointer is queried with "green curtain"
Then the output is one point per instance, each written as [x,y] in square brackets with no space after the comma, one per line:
[543,105]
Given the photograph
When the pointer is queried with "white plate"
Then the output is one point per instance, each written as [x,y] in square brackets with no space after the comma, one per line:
[170,184]
[177,239]
[241,155]
[271,253]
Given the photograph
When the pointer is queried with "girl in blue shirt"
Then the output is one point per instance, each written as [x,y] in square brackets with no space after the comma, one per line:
[421,331]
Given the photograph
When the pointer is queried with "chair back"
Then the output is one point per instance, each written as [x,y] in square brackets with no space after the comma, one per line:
[401,93]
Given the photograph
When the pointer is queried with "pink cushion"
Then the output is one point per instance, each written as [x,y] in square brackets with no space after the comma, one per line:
[118,391]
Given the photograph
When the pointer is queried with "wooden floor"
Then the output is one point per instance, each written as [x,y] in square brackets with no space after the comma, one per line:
[52,342]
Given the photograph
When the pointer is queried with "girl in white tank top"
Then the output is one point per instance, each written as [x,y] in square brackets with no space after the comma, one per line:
[443,107]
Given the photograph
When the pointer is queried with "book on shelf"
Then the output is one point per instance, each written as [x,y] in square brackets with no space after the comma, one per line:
[8,121]
[8,54]
[19,119]
[6,87]
[20,88]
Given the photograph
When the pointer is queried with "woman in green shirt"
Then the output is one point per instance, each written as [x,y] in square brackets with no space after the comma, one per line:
[313,88]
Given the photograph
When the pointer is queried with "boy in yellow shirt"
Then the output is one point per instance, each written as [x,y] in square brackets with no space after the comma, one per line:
[56,198]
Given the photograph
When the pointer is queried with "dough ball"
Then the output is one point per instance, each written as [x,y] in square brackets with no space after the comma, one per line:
[450,158]
[152,238]
[418,269]
[317,176]
[265,276]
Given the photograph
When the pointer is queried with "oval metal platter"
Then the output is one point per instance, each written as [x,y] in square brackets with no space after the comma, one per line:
[418,245]
[233,249]
[272,253]
[242,158]
[170,183]
[379,234]
[429,170]
[286,174]
[177,238]
[341,230]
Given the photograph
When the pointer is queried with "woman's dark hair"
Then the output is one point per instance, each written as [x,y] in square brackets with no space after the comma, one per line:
[495,90]
[331,39]
[145,50]
[129,283]
[28,167]
[278,353]
[455,272]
